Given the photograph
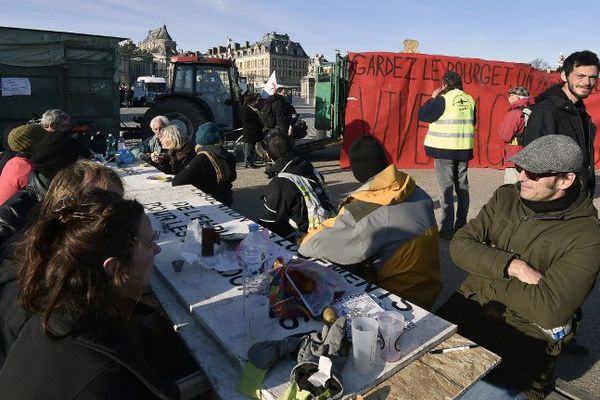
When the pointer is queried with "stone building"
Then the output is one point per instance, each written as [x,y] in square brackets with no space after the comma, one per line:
[133,62]
[274,52]
[160,44]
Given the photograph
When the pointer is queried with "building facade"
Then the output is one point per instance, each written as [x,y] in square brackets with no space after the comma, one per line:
[274,52]
[160,44]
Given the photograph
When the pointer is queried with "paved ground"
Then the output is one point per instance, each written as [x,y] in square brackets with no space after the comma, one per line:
[582,371]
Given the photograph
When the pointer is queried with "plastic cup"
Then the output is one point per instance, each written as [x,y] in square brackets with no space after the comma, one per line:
[391,326]
[364,343]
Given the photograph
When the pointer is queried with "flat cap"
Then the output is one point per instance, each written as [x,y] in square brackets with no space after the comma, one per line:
[550,153]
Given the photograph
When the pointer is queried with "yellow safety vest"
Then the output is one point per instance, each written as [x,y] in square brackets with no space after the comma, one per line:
[454,129]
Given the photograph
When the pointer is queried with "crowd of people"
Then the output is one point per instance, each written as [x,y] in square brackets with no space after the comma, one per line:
[76,257]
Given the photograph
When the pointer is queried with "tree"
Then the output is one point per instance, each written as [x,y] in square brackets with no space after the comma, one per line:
[540,63]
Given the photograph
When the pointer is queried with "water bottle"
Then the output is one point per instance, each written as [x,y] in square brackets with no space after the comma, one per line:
[111,146]
[121,143]
[253,253]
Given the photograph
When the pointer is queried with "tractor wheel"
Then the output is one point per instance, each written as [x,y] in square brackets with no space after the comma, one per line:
[183,113]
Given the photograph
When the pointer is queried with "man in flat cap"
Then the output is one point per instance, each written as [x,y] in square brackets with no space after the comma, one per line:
[532,258]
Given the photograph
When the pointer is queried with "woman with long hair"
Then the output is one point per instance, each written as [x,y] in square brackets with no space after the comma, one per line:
[84,265]
[179,151]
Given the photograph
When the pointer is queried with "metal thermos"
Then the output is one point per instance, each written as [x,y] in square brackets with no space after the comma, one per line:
[209,237]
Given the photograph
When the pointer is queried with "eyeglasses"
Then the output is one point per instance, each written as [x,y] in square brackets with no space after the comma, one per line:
[532,176]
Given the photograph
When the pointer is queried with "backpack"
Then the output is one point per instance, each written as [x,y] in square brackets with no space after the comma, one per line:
[526,113]
[268,116]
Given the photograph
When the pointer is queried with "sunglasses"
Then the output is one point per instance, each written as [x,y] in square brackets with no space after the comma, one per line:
[532,176]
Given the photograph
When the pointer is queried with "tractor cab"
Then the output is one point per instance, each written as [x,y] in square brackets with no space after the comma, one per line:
[201,90]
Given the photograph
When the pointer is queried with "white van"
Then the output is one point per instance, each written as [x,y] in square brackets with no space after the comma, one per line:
[147,88]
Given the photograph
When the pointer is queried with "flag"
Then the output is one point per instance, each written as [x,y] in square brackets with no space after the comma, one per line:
[271,85]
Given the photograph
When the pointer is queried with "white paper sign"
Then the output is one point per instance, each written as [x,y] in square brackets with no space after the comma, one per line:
[16,87]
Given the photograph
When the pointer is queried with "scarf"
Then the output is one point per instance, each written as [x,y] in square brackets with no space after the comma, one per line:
[215,155]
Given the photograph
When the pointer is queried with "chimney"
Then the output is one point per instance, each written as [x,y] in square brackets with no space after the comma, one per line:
[247,43]
[236,46]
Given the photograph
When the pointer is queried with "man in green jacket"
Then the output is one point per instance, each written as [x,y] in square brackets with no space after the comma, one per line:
[532,258]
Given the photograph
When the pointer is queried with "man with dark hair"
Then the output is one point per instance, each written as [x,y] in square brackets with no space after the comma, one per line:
[449,141]
[560,109]
[532,259]
[297,198]
[385,231]
[277,112]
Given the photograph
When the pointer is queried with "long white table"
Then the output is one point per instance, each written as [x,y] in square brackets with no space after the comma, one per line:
[206,305]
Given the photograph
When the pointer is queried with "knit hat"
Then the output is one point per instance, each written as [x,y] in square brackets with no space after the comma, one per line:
[55,152]
[22,138]
[550,153]
[519,91]
[207,133]
[367,158]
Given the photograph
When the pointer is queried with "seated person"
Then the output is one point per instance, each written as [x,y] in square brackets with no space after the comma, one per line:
[212,170]
[296,199]
[386,229]
[82,271]
[179,151]
[15,174]
[532,258]
[150,145]
[68,182]
[48,156]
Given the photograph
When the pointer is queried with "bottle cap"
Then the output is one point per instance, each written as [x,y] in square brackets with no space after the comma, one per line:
[253,227]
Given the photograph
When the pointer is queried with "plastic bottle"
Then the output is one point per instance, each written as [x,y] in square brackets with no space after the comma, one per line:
[121,143]
[111,146]
[253,253]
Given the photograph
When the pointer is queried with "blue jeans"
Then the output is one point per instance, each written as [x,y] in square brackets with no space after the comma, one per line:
[484,390]
[452,177]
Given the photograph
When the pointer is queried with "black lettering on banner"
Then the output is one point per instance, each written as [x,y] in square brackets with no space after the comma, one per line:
[380,61]
[409,76]
[507,74]
[354,66]
[377,111]
[291,323]
[485,74]
[496,75]
[389,114]
[164,215]
[499,101]
[476,72]
[189,213]
[182,205]
[397,66]
[405,306]
[157,206]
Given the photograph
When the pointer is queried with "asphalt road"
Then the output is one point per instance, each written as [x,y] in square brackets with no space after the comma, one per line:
[581,370]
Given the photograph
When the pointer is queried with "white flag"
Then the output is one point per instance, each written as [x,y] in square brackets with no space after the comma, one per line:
[271,85]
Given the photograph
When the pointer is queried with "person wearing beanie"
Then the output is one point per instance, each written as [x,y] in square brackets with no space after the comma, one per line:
[48,156]
[15,173]
[297,199]
[212,168]
[512,128]
[386,227]
[531,256]
[449,141]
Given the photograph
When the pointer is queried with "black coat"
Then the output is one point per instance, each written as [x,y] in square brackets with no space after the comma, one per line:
[554,113]
[14,213]
[284,202]
[109,360]
[252,131]
[12,315]
[174,161]
[201,173]
[277,113]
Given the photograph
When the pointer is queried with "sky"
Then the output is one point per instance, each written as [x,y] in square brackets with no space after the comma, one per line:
[499,30]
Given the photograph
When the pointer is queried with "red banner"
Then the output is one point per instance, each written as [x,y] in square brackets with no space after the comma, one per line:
[387,90]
